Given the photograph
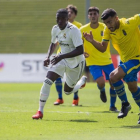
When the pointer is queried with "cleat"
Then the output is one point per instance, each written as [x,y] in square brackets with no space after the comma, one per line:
[84,80]
[38,115]
[113,109]
[139,119]
[58,102]
[124,111]
[103,96]
[75,102]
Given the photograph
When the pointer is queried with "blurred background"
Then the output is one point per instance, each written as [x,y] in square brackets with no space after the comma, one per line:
[25,25]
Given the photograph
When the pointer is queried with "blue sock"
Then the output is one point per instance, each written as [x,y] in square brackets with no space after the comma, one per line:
[136,96]
[101,89]
[76,95]
[120,90]
[58,85]
[112,97]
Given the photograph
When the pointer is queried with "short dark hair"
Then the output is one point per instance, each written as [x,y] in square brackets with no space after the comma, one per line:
[93,9]
[73,8]
[108,13]
[62,11]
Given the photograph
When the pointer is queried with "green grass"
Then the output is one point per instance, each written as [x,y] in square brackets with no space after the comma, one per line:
[90,120]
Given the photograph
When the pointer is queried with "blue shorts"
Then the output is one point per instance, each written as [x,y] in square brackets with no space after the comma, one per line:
[131,68]
[96,71]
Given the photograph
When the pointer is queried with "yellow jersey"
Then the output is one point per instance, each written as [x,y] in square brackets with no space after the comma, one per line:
[78,25]
[95,57]
[126,39]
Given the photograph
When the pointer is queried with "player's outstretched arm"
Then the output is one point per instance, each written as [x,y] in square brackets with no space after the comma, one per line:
[76,52]
[100,46]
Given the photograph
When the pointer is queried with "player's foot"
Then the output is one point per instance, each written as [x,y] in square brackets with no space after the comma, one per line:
[58,102]
[139,119]
[83,80]
[38,115]
[124,111]
[113,109]
[103,96]
[75,102]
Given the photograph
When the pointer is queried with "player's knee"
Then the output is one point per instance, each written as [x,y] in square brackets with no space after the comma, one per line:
[46,86]
[67,92]
[132,88]
[101,84]
[58,80]
[112,77]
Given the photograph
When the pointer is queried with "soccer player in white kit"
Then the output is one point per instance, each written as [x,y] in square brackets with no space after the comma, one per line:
[70,61]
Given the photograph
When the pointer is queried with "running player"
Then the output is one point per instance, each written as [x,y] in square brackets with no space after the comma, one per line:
[96,60]
[72,13]
[125,36]
[71,60]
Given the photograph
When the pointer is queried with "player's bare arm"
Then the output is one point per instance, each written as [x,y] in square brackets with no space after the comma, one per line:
[76,52]
[101,46]
[50,51]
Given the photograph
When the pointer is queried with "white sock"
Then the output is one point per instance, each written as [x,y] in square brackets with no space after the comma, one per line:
[78,85]
[44,93]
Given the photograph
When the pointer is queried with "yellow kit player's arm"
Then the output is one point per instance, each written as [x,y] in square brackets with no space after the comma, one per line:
[101,46]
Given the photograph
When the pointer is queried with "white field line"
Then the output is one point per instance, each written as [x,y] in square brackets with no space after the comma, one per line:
[46,111]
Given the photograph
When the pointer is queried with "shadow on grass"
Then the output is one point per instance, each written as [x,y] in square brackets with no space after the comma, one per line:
[85,121]
[104,112]
[76,106]
[132,127]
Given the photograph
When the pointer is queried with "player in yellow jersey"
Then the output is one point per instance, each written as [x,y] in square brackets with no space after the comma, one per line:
[72,13]
[96,60]
[125,36]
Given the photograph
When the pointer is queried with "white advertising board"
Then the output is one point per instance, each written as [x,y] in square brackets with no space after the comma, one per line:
[22,68]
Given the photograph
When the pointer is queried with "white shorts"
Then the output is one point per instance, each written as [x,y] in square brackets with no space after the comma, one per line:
[72,74]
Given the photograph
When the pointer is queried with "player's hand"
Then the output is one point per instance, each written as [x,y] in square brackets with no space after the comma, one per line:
[86,54]
[88,37]
[56,59]
[46,62]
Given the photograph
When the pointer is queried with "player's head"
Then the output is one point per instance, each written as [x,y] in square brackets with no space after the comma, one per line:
[72,12]
[110,18]
[93,14]
[62,18]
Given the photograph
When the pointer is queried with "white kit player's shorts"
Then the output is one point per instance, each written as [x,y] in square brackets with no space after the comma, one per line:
[72,75]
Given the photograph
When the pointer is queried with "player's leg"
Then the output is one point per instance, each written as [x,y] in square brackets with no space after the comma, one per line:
[44,93]
[54,72]
[113,97]
[73,84]
[107,70]
[115,78]
[135,90]
[58,85]
[75,99]
[131,80]
[96,72]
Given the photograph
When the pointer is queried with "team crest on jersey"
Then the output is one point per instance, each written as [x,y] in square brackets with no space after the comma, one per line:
[101,33]
[124,32]
[127,21]
[64,35]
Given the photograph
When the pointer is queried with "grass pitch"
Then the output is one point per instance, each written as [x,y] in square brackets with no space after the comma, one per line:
[91,120]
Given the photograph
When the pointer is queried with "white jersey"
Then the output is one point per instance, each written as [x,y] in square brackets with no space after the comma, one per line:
[68,40]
